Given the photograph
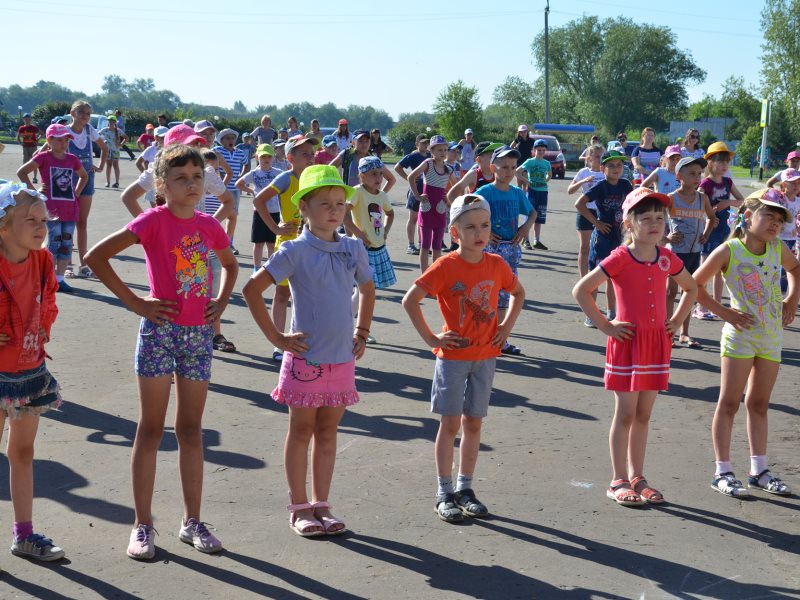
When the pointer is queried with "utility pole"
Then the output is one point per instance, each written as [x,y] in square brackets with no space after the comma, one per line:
[546,65]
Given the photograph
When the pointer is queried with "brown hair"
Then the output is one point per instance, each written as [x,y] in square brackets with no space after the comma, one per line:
[753,205]
[175,155]
[645,206]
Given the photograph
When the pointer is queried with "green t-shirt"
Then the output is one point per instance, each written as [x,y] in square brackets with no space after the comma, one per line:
[537,169]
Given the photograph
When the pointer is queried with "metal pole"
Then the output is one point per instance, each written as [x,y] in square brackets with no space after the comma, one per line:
[764,143]
[546,65]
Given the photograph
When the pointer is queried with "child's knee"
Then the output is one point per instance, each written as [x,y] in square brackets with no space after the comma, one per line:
[471,424]
[450,425]
[20,454]
[189,434]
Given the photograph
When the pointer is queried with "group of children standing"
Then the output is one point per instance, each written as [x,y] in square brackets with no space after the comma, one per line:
[476,288]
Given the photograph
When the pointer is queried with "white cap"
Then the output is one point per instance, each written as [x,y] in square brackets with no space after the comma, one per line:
[466,203]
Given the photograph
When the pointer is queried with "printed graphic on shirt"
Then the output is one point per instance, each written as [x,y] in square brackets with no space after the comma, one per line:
[751,286]
[191,266]
[376,214]
[61,178]
[476,302]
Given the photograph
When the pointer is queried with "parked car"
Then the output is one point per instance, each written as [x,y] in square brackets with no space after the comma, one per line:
[98,122]
[553,154]
[614,143]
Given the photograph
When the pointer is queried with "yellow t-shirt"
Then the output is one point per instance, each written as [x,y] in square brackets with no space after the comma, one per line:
[368,211]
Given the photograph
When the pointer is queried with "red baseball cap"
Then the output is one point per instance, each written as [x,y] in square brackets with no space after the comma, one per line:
[342,121]
[639,195]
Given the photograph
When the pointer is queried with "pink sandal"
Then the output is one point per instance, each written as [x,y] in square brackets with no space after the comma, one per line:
[621,492]
[304,527]
[648,494]
[329,523]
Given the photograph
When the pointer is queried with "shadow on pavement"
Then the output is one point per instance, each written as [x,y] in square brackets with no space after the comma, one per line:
[102,588]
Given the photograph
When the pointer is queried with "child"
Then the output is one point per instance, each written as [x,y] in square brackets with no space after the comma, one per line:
[608,196]
[248,148]
[283,187]
[750,348]
[453,150]
[466,284]
[147,138]
[719,188]
[317,379]
[479,174]
[252,183]
[507,204]
[792,162]
[412,161]
[174,335]
[369,218]
[790,186]
[280,161]
[664,178]
[28,136]
[534,174]
[638,348]
[27,389]
[437,177]
[348,159]
[147,157]
[584,180]
[691,220]
[239,163]
[114,138]
[56,169]
[328,151]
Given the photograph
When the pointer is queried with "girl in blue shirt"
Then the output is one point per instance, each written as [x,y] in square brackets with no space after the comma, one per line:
[317,378]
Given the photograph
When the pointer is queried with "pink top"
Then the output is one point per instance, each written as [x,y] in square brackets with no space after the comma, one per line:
[641,288]
[176,252]
[57,184]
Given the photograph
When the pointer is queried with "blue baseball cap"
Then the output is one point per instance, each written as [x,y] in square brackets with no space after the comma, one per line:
[26,116]
[454,146]
[369,163]
[539,143]
[504,151]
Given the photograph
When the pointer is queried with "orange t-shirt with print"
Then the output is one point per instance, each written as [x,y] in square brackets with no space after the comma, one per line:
[467,294]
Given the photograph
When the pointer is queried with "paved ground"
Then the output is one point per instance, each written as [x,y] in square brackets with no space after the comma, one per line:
[543,469]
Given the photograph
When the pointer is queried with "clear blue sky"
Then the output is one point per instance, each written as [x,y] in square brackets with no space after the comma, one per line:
[393,55]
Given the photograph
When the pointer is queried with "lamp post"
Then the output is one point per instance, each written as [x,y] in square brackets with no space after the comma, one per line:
[546,64]
[19,109]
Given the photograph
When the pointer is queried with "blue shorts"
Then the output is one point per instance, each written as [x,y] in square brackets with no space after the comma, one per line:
[512,254]
[462,387]
[601,246]
[183,349]
[88,190]
[538,199]
[412,203]
[60,234]
[718,235]
[582,223]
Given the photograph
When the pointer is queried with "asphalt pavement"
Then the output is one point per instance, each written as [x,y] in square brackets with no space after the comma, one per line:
[543,467]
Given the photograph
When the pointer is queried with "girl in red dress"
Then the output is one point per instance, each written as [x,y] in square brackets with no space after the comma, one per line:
[639,338]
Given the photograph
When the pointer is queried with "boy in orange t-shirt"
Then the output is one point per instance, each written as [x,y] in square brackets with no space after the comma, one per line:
[467,284]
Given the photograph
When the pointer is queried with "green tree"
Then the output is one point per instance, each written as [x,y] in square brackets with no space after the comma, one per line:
[780,58]
[457,107]
[588,56]
[403,135]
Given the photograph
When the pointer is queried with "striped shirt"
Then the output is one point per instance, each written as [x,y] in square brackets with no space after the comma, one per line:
[236,160]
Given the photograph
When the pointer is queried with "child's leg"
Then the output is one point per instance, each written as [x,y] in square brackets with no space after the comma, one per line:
[302,422]
[21,437]
[153,401]
[443,448]
[323,451]
[734,373]
[411,226]
[279,306]
[258,254]
[637,438]
[85,205]
[108,172]
[470,444]
[231,227]
[583,251]
[624,413]
[191,396]
[270,249]
[756,400]
[116,171]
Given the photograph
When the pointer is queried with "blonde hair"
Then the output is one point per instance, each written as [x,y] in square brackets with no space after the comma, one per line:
[23,200]
[80,104]
[645,130]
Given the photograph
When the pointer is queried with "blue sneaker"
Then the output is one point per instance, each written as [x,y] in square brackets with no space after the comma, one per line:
[37,547]
[65,288]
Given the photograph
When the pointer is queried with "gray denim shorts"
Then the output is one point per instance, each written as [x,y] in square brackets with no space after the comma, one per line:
[462,387]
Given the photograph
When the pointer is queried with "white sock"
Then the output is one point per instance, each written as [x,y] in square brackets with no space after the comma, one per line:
[444,485]
[758,464]
[723,466]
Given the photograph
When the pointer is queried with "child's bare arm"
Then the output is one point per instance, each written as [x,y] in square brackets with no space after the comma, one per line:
[25,170]
[582,292]
[515,303]
[230,269]
[390,179]
[366,306]
[711,219]
[689,287]
[98,259]
[253,293]
[351,228]
[650,179]
[412,178]
[717,262]
[387,224]
[792,267]
[467,181]
[447,340]
[130,198]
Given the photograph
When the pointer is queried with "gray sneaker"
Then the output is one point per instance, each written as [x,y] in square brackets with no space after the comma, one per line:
[196,533]
[37,547]
[589,323]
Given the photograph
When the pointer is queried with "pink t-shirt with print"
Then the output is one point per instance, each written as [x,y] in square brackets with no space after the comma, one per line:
[57,184]
[176,251]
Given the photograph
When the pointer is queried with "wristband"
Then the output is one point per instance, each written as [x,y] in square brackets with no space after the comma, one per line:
[362,329]
[362,338]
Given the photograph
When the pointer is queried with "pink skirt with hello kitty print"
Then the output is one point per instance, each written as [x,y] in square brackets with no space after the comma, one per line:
[304,384]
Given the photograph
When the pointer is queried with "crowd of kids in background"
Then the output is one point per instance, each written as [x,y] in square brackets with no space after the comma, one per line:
[649,222]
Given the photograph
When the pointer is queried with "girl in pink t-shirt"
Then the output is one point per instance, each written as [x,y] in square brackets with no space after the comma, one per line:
[639,338]
[175,335]
[437,178]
